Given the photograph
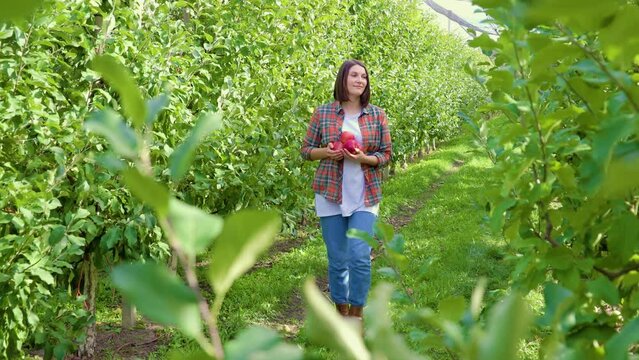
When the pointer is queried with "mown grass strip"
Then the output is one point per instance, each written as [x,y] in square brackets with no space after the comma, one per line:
[451,233]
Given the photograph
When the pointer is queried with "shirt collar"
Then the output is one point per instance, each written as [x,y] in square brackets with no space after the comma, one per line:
[340,110]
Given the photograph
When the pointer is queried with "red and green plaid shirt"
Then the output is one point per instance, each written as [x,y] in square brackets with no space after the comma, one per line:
[326,126]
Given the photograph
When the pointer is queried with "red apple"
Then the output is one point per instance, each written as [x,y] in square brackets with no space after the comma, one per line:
[336,145]
[351,145]
[346,135]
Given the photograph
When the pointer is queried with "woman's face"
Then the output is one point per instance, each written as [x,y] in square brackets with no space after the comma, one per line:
[356,81]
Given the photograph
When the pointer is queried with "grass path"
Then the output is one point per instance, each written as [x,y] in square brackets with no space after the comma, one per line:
[436,203]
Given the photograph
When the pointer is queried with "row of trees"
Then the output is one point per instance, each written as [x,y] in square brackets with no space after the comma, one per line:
[258,67]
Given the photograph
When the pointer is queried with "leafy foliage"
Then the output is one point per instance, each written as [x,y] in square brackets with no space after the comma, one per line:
[563,125]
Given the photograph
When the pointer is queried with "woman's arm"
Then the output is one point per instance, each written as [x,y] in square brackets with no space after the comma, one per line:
[361,157]
[318,154]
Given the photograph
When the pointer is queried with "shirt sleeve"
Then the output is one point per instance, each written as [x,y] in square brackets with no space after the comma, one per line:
[313,136]
[385,150]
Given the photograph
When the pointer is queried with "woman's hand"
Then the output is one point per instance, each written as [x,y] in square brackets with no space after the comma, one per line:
[361,157]
[336,155]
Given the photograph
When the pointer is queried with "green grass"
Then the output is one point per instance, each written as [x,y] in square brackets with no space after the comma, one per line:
[401,190]
[449,232]
[450,229]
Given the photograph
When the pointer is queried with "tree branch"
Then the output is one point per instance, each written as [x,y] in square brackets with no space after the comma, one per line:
[611,274]
[454,17]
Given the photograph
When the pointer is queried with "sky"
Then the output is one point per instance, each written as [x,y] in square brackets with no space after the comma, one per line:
[464,9]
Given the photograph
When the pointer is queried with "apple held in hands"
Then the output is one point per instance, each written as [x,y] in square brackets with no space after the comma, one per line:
[352,146]
[346,135]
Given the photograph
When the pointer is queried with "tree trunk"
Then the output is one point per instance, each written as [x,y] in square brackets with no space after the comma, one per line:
[87,350]
[128,315]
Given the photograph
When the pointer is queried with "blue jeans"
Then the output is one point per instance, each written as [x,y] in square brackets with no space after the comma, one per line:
[349,259]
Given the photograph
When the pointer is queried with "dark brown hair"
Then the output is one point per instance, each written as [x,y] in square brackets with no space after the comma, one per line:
[340,93]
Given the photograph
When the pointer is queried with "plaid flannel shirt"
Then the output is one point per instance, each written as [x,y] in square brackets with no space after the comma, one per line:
[326,126]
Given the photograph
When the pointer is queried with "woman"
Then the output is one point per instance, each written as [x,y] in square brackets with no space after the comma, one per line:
[347,185]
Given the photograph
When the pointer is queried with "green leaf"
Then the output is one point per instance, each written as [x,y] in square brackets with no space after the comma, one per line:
[485,42]
[603,289]
[260,343]
[560,258]
[111,238]
[148,190]
[109,124]
[452,308]
[160,295]
[558,300]
[110,161]
[623,52]
[57,233]
[326,327]
[43,275]
[566,177]
[617,347]
[81,214]
[388,272]
[60,351]
[154,108]
[498,212]
[397,244]
[477,297]
[604,142]
[622,237]
[501,80]
[580,14]
[246,234]
[194,228]
[508,323]
[549,56]
[6,33]
[590,72]
[181,159]
[131,235]
[622,177]
[119,78]
[384,342]
[384,232]
[15,10]
[362,235]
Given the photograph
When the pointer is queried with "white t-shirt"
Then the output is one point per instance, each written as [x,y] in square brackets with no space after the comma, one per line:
[353,184]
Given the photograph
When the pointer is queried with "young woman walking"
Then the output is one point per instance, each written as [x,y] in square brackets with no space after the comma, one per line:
[347,185]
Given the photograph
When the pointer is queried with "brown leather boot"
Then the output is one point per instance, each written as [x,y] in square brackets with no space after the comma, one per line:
[343,309]
[356,311]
